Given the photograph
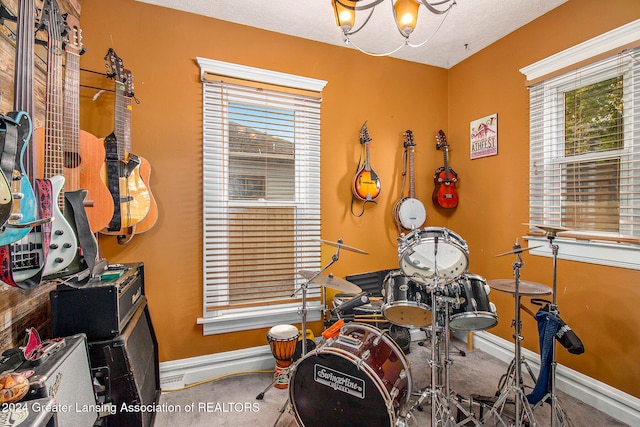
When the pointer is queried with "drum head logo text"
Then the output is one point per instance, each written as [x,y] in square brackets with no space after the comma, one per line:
[339,381]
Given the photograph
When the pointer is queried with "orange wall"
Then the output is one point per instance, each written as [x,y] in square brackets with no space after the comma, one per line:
[160,46]
[597,302]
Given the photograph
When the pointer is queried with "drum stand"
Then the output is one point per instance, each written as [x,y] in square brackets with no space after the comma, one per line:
[441,414]
[523,412]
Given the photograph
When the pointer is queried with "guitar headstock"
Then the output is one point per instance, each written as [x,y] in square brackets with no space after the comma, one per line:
[364,134]
[73,42]
[114,65]
[408,139]
[128,83]
[441,140]
[51,19]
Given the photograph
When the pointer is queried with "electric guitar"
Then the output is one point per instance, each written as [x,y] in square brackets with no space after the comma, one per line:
[132,200]
[445,194]
[366,184]
[83,152]
[409,213]
[14,158]
[63,247]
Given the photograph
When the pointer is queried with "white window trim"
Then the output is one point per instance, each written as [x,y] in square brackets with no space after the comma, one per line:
[259,317]
[614,39]
[590,251]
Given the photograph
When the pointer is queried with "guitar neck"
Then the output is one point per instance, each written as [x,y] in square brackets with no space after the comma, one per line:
[412,185]
[54,133]
[72,120]
[122,123]
[446,164]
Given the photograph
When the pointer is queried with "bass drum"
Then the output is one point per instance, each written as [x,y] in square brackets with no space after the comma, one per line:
[476,312]
[359,378]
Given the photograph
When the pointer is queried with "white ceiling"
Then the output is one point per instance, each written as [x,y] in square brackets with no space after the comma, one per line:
[470,26]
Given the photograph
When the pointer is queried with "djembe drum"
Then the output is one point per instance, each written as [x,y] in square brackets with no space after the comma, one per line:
[282,340]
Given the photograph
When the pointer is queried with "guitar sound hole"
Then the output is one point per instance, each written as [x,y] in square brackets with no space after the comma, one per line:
[71,160]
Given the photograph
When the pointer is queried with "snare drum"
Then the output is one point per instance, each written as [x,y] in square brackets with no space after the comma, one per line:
[426,251]
[282,340]
[405,302]
[359,378]
[476,312]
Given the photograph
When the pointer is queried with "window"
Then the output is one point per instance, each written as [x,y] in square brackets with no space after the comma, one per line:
[585,160]
[261,207]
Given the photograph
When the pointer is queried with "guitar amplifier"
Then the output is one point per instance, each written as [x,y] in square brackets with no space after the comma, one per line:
[33,413]
[126,369]
[102,308]
[63,376]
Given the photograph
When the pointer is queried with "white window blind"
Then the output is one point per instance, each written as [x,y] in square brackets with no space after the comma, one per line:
[585,150]
[261,196]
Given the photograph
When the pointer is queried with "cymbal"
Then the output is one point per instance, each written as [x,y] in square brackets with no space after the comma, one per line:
[339,244]
[330,281]
[551,230]
[518,250]
[526,288]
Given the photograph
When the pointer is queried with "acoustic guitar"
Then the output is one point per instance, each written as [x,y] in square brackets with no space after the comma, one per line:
[131,196]
[445,194]
[84,153]
[409,213]
[366,184]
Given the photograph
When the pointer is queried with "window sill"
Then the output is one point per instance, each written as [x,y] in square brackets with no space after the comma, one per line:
[243,320]
[623,255]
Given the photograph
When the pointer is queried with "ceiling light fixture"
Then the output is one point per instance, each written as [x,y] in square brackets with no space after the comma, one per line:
[405,14]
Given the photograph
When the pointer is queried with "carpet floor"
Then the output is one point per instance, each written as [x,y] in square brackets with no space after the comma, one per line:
[231,401]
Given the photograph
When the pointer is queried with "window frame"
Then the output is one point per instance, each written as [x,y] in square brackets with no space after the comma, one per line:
[587,247]
[240,319]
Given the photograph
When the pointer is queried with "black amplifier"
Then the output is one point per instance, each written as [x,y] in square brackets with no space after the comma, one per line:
[65,377]
[102,308]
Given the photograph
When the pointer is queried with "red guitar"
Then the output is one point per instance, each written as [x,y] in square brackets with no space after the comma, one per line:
[445,193]
[366,184]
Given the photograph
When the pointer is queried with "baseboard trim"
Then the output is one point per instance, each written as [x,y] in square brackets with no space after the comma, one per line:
[177,374]
[616,403]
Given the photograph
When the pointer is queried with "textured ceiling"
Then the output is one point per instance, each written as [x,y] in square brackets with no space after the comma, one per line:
[470,26]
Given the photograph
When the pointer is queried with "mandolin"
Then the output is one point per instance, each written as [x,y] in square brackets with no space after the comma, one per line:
[409,212]
[366,184]
[445,194]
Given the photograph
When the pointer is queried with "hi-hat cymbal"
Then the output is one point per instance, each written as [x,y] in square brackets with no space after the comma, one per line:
[551,230]
[330,281]
[518,250]
[525,288]
[339,244]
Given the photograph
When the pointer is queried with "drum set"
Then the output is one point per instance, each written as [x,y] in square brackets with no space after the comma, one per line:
[359,375]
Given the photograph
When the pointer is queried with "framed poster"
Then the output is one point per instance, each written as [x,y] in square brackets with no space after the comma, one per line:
[484,137]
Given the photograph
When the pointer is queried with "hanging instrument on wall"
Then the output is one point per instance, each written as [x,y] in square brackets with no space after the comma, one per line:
[409,213]
[366,184]
[131,196]
[84,154]
[444,194]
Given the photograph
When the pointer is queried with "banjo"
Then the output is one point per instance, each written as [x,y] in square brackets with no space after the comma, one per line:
[409,213]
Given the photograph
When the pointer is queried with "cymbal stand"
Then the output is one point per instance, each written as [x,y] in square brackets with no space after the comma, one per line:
[558,417]
[303,288]
[523,411]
